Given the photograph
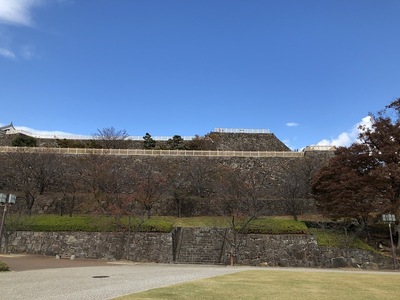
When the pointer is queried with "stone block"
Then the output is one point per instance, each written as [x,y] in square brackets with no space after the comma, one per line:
[339,262]
[370,266]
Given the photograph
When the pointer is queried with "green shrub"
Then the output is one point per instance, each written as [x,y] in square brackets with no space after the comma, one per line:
[92,224]
[22,140]
[156,225]
[202,221]
[334,238]
[3,267]
[70,143]
[275,226]
[16,222]
[66,223]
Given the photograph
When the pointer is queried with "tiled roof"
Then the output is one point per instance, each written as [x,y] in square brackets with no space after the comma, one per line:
[4,129]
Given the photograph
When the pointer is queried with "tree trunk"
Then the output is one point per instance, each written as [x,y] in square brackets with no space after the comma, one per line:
[148,211]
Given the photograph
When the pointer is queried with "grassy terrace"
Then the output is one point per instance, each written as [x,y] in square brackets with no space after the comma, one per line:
[90,223]
[156,224]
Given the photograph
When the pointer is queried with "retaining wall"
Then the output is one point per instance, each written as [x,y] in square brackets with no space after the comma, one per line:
[195,245]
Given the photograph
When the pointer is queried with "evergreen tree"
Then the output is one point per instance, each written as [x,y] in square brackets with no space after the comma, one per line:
[148,142]
[22,140]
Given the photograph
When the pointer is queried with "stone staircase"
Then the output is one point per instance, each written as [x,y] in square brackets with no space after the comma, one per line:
[199,246]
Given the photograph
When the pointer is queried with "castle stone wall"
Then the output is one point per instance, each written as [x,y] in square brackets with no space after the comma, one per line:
[248,142]
[145,247]
[195,245]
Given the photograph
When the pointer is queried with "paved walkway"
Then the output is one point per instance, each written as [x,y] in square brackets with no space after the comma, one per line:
[46,278]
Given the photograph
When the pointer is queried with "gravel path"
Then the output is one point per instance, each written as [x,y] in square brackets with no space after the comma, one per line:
[45,278]
[100,282]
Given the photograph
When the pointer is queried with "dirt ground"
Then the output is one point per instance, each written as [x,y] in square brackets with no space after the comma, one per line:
[25,262]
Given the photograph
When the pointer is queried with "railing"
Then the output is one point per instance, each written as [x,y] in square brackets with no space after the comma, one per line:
[88,137]
[235,130]
[319,148]
[143,152]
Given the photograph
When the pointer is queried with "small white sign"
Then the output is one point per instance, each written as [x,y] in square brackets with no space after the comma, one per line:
[388,218]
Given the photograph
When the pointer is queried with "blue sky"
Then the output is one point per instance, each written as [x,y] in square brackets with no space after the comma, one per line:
[308,70]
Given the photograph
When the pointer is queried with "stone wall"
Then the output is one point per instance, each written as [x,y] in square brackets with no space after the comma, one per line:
[6,139]
[146,246]
[196,245]
[150,247]
[275,166]
[247,142]
[204,206]
[195,206]
[211,245]
[302,251]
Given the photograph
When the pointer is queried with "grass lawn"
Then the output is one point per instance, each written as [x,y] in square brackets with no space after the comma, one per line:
[270,284]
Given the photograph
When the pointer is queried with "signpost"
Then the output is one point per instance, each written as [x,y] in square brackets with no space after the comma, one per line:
[5,201]
[391,218]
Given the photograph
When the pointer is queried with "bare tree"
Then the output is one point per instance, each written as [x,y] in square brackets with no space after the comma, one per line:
[103,179]
[180,188]
[70,184]
[238,195]
[110,138]
[32,174]
[202,175]
[150,184]
[295,187]
[201,143]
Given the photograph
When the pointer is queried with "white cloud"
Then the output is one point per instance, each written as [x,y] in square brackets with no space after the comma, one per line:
[345,139]
[18,12]
[27,52]
[292,124]
[286,142]
[7,53]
